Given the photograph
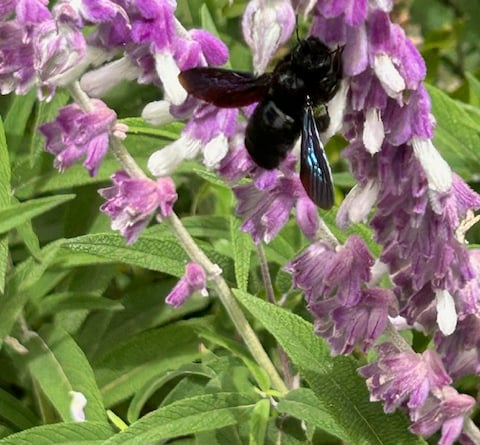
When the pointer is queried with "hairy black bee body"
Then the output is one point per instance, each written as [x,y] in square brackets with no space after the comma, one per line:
[309,75]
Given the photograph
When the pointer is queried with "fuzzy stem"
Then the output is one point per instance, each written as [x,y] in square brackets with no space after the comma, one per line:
[471,430]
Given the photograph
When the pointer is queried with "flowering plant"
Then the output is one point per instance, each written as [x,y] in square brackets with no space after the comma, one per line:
[355,325]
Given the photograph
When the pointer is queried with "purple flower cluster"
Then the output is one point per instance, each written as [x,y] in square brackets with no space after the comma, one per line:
[420,383]
[38,48]
[131,202]
[76,134]
[347,312]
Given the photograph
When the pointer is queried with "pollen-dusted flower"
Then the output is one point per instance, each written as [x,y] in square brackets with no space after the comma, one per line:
[76,134]
[194,280]
[131,203]
[403,378]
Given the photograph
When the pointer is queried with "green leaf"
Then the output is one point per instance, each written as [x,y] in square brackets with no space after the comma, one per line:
[29,182]
[25,276]
[163,253]
[188,416]
[258,373]
[457,135]
[85,433]
[59,366]
[259,422]
[145,308]
[474,89]
[242,249]
[5,197]
[129,366]
[342,394]
[303,404]
[15,412]
[209,176]
[70,301]
[17,214]
[201,226]
[156,383]
[138,126]
[17,119]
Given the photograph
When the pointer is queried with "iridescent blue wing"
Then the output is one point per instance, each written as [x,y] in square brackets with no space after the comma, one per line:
[315,171]
[225,88]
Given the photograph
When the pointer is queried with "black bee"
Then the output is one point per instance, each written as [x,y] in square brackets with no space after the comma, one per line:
[307,76]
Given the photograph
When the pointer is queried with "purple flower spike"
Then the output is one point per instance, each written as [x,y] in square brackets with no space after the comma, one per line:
[194,280]
[444,409]
[131,202]
[266,25]
[78,134]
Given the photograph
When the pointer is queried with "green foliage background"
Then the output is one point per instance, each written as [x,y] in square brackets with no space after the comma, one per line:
[81,311]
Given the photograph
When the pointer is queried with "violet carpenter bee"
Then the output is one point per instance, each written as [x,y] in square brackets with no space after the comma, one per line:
[308,76]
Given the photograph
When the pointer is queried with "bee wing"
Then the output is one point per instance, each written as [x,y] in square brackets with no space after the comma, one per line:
[315,171]
[225,88]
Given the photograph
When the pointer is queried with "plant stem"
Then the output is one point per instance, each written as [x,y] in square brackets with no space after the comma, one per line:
[228,300]
[267,281]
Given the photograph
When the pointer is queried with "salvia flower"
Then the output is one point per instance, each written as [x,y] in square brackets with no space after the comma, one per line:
[265,212]
[207,132]
[445,410]
[132,202]
[194,280]
[404,378]
[76,134]
[347,312]
[266,25]
[38,48]
[419,384]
